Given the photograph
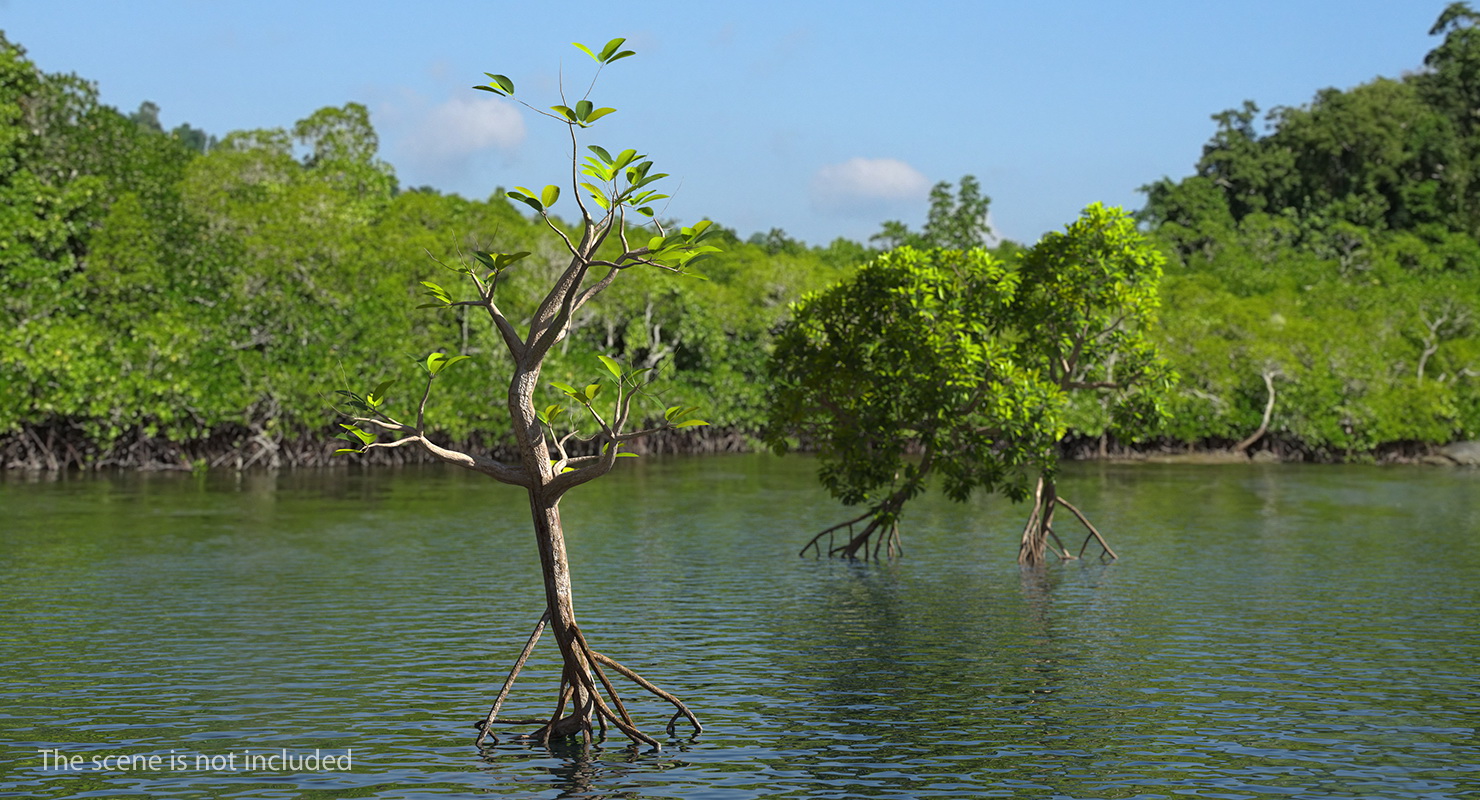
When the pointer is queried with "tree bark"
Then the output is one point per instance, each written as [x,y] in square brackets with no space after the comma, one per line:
[1040,524]
[1034,547]
[560,602]
[1268,376]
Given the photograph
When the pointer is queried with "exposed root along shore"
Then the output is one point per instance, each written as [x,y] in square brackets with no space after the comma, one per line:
[59,447]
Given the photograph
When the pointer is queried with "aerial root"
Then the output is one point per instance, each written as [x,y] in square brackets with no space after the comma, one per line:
[683,710]
[877,517]
[1093,534]
[815,543]
[1063,550]
[485,727]
[579,692]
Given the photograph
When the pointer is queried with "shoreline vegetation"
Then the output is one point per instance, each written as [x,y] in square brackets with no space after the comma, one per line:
[58,449]
[174,300]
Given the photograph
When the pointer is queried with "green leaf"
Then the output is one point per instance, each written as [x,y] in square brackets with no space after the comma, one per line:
[550,413]
[611,47]
[502,82]
[627,455]
[377,395]
[596,169]
[436,362]
[598,114]
[550,195]
[611,366]
[355,401]
[564,387]
[345,449]
[583,109]
[526,198]
[359,434]
[565,111]
[597,195]
[688,423]
[621,55]
[587,51]
[505,259]
[437,292]
[592,390]
[606,158]
[625,157]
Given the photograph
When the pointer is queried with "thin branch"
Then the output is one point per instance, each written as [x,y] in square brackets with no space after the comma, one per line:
[600,285]
[387,424]
[421,408]
[499,471]
[570,479]
[569,245]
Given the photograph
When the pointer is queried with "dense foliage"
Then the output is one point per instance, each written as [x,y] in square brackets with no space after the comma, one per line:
[169,297]
[960,364]
[907,358]
[1332,255]
[164,304]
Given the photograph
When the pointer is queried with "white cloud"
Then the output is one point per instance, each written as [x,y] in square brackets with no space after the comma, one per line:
[445,142]
[867,184]
[465,126]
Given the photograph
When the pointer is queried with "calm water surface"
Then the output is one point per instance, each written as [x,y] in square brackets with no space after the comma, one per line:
[1271,631]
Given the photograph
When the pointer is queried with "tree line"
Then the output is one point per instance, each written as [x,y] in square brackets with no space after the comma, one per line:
[175,299]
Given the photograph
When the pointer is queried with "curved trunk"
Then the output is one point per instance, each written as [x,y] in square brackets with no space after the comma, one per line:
[1269,376]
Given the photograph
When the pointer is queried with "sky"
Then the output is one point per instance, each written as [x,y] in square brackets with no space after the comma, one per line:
[824,119]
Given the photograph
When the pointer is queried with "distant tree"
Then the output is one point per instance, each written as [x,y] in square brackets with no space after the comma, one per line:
[1086,308]
[775,241]
[956,222]
[194,138]
[1453,78]
[950,363]
[147,117]
[614,187]
[896,375]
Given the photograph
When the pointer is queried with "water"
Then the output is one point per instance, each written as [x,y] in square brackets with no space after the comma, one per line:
[1271,631]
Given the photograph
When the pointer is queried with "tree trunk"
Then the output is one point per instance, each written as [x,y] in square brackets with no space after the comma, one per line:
[586,697]
[560,604]
[1269,376]
[1040,523]
[1040,528]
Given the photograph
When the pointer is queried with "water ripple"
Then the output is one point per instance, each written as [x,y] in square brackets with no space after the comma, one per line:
[1269,634]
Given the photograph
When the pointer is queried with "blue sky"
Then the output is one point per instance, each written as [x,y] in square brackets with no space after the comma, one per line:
[821,118]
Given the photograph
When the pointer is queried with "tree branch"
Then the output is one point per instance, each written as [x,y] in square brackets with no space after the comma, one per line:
[499,471]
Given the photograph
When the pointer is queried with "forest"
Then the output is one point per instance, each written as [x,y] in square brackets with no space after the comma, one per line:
[175,299]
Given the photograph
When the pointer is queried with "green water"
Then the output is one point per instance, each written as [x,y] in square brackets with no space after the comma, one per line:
[1270,631]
